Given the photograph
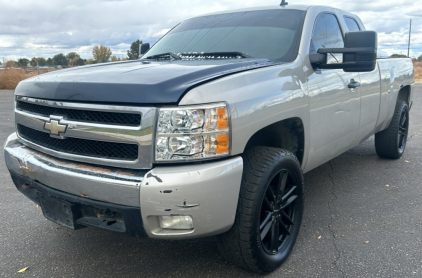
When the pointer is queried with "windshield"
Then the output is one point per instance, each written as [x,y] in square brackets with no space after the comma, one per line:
[270,34]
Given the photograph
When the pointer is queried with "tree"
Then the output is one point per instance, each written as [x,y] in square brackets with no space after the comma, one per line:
[101,53]
[398,56]
[133,52]
[90,61]
[72,55]
[9,64]
[420,58]
[33,62]
[41,61]
[76,61]
[60,59]
[79,62]
[49,62]
[115,59]
[23,63]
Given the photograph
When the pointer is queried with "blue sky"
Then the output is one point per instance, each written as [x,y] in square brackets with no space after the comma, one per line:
[31,28]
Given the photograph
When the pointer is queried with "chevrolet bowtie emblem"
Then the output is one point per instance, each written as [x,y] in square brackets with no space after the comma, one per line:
[54,126]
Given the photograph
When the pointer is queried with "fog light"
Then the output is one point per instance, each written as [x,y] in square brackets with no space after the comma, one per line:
[183,222]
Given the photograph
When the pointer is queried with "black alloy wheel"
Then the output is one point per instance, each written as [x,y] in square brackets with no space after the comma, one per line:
[269,211]
[391,142]
[403,130]
[278,212]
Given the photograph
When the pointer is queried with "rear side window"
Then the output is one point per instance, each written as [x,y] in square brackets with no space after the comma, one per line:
[327,33]
[352,25]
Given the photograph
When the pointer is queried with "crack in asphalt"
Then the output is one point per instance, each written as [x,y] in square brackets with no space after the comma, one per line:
[330,228]
[411,137]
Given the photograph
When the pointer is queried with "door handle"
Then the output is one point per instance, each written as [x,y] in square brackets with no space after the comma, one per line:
[353,84]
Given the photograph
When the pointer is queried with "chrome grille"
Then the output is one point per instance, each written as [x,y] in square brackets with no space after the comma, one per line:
[80,146]
[97,134]
[100,117]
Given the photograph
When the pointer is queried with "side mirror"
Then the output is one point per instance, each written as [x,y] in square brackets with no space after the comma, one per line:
[143,48]
[359,53]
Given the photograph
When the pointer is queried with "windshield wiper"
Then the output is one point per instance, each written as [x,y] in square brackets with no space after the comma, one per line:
[164,55]
[199,55]
[225,54]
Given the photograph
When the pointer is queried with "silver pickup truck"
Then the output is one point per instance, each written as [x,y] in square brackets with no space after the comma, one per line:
[210,132]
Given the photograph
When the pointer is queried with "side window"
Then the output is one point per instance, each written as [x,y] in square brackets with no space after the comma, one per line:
[351,24]
[327,33]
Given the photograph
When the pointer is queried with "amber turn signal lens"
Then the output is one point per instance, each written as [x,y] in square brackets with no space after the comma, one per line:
[222,143]
[223,121]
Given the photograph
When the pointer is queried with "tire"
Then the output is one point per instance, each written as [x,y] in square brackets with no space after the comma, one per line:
[264,210]
[391,142]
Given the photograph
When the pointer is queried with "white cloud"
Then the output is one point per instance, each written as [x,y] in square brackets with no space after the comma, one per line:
[31,28]
[160,33]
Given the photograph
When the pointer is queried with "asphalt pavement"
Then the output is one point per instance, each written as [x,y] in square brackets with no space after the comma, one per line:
[363,218]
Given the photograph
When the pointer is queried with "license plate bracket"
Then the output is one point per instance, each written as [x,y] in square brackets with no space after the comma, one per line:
[59,211]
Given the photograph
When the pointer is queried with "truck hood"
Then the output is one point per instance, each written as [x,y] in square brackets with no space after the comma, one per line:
[132,82]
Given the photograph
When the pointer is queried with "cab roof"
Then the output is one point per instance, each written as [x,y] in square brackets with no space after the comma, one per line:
[273,7]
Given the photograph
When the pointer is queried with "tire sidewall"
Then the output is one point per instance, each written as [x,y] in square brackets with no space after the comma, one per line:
[273,261]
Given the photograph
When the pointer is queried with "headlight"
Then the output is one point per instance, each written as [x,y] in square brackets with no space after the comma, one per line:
[193,132]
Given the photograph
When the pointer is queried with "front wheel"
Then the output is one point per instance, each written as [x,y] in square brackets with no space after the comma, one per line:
[269,211]
[391,142]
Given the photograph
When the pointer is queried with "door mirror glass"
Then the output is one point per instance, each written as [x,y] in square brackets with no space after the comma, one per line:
[143,48]
[334,58]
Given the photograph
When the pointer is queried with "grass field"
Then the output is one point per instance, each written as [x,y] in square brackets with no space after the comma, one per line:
[10,78]
[418,71]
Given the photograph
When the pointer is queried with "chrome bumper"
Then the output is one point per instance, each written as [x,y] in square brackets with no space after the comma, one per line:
[207,192]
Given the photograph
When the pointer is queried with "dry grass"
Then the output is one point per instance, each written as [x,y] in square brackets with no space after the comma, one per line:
[10,78]
[418,71]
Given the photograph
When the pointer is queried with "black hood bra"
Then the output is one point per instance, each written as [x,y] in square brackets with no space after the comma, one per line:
[134,82]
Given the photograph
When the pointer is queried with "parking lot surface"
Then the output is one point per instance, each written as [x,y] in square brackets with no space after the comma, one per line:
[363,218]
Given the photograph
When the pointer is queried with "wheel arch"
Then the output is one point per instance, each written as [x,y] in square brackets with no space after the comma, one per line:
[404,94]
[288,134]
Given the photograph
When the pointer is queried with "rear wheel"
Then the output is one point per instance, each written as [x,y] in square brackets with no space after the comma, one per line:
[269,211]
[391,142]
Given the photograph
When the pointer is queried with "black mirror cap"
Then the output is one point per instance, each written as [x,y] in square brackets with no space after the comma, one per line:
[144,48]
[366,60]
[361,39]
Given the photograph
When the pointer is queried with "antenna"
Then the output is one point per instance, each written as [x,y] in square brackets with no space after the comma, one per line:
[283,3]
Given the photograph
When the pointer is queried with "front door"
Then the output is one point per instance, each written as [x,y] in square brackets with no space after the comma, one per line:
[334,107]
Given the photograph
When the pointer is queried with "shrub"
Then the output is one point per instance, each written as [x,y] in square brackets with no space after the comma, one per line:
[418,71]
[9,78]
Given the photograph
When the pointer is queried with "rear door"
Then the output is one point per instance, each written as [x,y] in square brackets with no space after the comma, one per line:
[334,107]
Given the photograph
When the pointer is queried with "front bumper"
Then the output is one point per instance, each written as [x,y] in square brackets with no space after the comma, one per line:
[207,192]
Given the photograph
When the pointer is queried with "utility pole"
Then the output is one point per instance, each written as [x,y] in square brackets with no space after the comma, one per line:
[408,46]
